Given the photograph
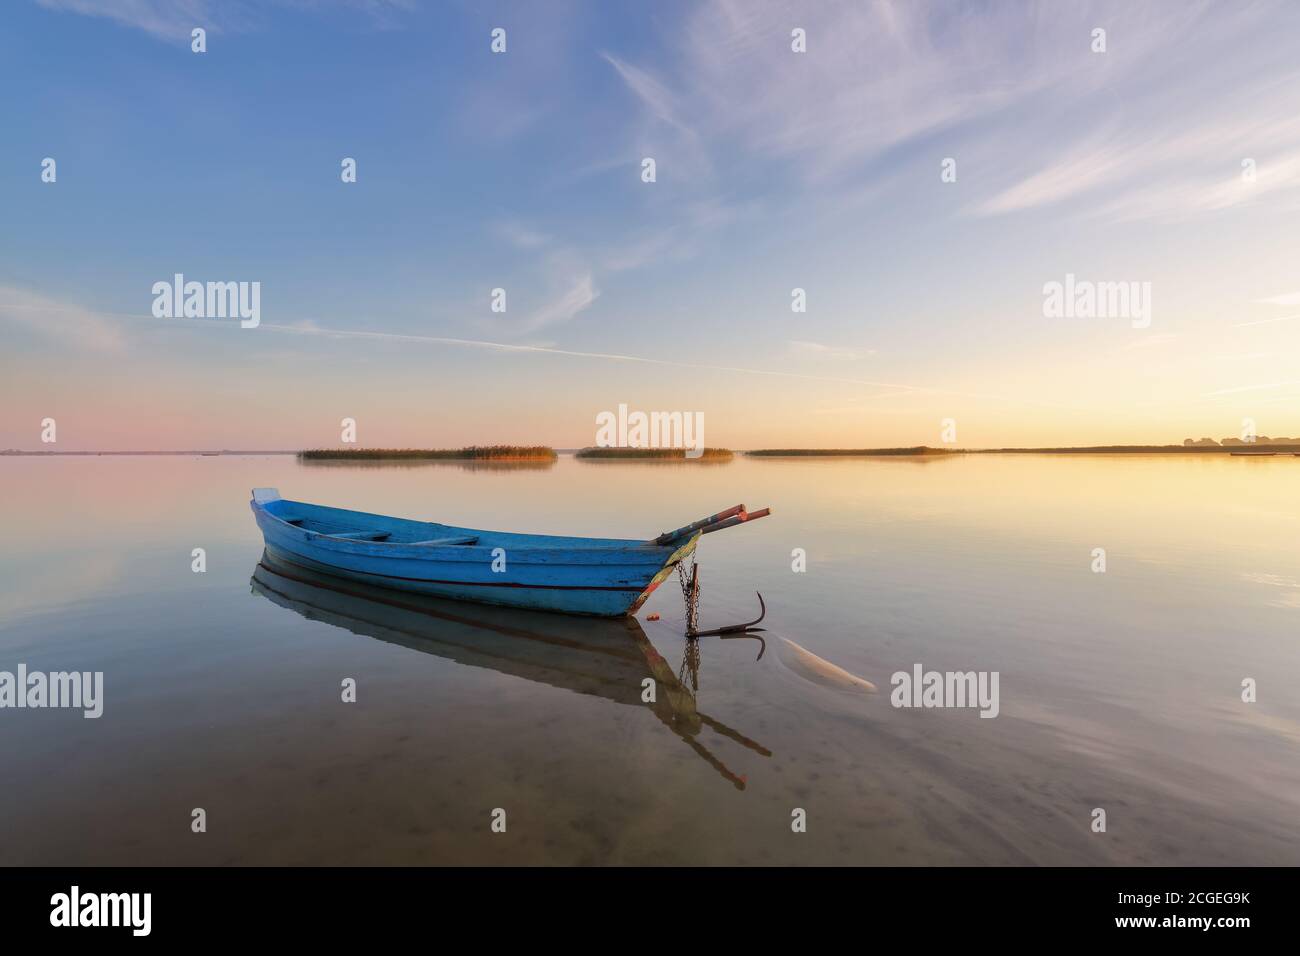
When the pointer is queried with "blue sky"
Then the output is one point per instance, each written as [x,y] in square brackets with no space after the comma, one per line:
[775,170]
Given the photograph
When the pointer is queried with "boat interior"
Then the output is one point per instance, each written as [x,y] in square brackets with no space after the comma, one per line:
[359,526]
[362,526]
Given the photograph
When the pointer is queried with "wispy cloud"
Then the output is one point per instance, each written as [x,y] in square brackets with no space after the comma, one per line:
[165,19]
[553,265]
[875,75]
[1170,172]
[70,325]
[1288,298]
[173,20]
[1182,198]
[660,131]
[1060,180]
[522,236]
[1239,389]
[643,250]
[580,294]
[897,388]
[651,92]
[101,330]
[299,329]
[1270,321]
[1224,133]
[878,76]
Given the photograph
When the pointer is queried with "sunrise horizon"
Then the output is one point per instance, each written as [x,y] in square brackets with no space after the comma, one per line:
[891,239]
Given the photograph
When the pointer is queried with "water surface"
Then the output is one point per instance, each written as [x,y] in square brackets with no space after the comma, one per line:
[1119,690]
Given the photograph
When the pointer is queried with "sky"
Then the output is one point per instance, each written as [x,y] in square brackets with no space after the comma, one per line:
[1170,159]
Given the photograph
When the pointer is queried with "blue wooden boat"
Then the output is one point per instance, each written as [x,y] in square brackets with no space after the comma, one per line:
[604,577]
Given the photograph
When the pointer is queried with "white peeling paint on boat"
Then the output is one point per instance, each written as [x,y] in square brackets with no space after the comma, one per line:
[821,671]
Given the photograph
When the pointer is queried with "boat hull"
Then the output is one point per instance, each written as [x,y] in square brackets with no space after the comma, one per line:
[584,576]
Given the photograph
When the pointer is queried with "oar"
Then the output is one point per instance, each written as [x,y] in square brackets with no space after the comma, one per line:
[668,536]
[733,521]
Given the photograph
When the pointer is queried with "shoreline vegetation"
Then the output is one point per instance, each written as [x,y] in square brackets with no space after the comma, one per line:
[652,454]
[469,453]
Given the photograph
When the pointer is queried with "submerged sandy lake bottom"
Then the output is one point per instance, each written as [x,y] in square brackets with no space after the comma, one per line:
[1119,691]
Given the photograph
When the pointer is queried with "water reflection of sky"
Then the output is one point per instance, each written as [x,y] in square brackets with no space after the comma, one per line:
[1118,689]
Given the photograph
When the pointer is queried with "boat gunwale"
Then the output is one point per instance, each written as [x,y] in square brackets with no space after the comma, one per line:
[650,553]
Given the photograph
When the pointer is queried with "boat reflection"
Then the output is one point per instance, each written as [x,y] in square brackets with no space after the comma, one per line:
[602,657]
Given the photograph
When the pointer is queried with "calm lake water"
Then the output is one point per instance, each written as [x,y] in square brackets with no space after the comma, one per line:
[1119,690]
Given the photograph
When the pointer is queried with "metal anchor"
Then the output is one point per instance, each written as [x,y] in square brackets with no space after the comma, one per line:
[730,632]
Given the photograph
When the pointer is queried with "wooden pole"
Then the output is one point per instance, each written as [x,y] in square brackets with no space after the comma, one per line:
[667,536]
[733,521]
